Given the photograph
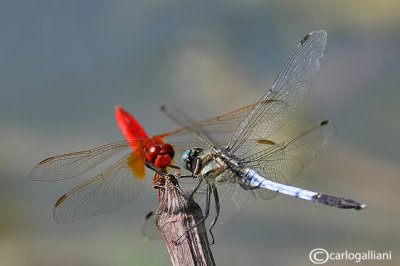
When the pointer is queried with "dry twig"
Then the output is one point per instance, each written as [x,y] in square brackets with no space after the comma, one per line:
[175,215]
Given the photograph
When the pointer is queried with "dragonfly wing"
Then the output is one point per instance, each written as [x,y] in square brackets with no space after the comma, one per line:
[286,95]
[149,229]
[225,123]
[189,124]
[232,199]
[73,164]
[110,190]
[283,162]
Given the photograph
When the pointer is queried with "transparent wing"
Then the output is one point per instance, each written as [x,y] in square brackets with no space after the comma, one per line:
[76,163]
[232,198]
[225,123]
[283,162]
[189,124]
[149,229]
[110,190]
[73,164]
[284,98]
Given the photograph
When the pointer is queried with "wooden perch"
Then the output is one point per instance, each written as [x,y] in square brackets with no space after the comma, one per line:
[175,215]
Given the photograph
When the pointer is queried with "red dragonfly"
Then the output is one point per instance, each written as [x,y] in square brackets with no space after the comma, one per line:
[123,180]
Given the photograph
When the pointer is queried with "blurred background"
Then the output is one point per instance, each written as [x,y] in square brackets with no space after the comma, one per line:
[65,65]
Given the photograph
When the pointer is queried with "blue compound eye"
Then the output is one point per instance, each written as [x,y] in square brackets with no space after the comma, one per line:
[189,157]
[186,160]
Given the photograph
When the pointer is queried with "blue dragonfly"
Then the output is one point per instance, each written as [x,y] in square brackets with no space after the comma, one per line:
[250,162]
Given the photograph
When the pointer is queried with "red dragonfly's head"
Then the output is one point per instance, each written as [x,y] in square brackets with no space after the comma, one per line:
[154,149]
[160,155]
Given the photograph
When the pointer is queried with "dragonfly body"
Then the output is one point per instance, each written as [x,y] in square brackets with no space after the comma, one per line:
[123,179]
[219,166]
[249,162]
[256,180]
[252,162]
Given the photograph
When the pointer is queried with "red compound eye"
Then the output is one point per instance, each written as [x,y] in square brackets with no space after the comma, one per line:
[152,153]
[160,155]
[167,149]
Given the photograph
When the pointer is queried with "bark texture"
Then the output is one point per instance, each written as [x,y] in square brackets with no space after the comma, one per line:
[175,215]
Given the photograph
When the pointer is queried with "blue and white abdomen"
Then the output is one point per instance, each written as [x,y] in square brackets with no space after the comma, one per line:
[256,180]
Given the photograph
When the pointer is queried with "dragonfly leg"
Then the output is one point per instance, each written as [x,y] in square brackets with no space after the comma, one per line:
[156,185]
[195,173]
[217,211]
[177,168]
[155,168]
[190,195]
[206,214]
[179,189]
[156,178]
[198,166]
[186,176]
[175,183]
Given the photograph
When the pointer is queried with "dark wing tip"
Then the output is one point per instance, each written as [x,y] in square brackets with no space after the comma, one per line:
[306,38]
[150,214]
[325,122]
[312,33]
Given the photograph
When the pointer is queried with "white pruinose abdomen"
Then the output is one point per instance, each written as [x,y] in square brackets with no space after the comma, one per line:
[256,180]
